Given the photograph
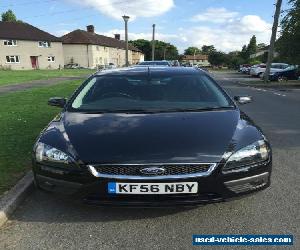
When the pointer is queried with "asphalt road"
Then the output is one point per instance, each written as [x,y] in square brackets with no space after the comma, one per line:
[47,221]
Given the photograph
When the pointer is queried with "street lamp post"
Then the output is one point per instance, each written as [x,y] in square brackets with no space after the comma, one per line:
[126,18]
[153,42]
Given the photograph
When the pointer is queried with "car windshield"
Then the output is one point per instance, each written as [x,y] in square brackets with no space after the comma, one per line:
[154,63]
[149,94]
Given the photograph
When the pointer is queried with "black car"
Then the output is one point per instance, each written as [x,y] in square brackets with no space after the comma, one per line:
[151,137]
[290,73]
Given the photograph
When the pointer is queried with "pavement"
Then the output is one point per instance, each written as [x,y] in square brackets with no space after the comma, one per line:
[36,83]
[248,80]
[48,221]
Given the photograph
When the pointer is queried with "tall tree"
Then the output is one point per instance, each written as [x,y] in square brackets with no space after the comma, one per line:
[252,46]
[8,16]
[192,51]
[207,49]
[288,44]
[244,53]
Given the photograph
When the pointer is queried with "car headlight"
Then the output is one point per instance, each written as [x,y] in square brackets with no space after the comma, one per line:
[248,156]
[44,152]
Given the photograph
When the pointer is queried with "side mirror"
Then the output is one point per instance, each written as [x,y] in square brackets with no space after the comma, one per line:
[57,101]
[243,99]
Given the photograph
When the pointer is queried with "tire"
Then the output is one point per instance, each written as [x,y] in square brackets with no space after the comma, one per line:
[282,79]
[36,182]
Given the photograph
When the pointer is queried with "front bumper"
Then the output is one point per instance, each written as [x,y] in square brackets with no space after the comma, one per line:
[216,187]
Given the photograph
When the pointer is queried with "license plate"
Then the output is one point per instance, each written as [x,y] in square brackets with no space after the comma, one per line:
[153,188]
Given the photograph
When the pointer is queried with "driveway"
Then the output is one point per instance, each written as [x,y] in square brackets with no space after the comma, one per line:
[47,221]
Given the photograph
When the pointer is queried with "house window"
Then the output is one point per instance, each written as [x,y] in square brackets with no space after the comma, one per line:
[10,42]
[51,59]
[12,59]
[44,44]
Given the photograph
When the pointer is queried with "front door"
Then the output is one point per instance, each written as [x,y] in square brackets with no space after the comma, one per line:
[34,62]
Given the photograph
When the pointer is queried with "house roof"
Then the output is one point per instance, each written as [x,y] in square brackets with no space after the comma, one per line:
[196,57]
[85,37]
[24,31]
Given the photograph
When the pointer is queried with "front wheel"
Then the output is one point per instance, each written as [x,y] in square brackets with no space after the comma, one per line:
[282,79]
[36,182]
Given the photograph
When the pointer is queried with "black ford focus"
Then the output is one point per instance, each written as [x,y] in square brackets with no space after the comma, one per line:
[152,137]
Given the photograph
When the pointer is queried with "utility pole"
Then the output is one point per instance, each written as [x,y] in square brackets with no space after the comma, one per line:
[126,18]
[273,39]
[153,41]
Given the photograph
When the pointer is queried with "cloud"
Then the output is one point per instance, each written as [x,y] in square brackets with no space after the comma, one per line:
[133,8]
[230,36]
[226,30]
[215,15]
[148,36]
[227,36]
[60,33]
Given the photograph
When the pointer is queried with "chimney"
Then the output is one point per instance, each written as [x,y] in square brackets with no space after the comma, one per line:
[90,28]
[117,36]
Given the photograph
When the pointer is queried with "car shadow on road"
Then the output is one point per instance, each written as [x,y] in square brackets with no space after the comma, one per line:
[42,206]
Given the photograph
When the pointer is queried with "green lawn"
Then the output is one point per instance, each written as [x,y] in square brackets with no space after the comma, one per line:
[20,76]
[23,115]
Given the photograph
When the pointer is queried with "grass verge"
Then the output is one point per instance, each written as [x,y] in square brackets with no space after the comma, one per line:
[20,76]
[23,115]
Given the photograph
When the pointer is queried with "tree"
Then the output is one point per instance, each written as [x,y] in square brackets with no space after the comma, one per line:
[8,16]
[252,46]
[217,58]
[244,53]
[207,49]
[162,50]
[165,51]
[234,60]
[288,44]
[192,51]
[144,46]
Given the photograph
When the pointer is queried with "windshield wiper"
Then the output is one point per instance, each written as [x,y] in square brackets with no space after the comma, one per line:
[200,109]
[126,111]
[153,111]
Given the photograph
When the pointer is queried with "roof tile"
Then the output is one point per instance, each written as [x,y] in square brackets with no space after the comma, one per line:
[84,37]
[24,31]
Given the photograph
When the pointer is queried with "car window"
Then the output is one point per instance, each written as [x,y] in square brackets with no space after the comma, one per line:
[113,93]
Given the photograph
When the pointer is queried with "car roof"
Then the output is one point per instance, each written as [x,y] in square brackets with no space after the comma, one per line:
[150,70]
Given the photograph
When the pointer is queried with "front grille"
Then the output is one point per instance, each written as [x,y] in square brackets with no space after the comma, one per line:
[170,169]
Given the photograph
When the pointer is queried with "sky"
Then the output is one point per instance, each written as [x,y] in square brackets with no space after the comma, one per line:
[226,24]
